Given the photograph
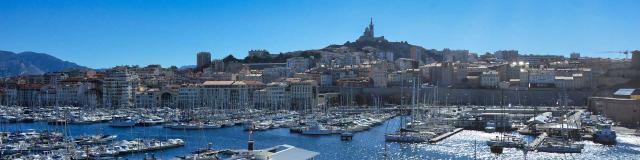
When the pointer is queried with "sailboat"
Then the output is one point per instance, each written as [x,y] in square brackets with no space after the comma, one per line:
[563,144]
[502,141]
[192,121]
[560,146]
[406,135]
[316,128]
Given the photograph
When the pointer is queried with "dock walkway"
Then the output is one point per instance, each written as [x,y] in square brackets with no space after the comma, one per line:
[445,135]
[533,145]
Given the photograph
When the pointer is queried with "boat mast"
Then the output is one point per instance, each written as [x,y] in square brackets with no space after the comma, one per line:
[503,112]
[475,152]
[402,104]
[413,99]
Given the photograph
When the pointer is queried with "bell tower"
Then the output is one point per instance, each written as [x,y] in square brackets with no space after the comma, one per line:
[371,28]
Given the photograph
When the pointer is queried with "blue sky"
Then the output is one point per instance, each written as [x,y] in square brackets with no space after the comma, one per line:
[106,33]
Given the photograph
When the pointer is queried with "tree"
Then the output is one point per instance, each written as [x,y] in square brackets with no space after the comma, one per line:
[281,57]
[230,58]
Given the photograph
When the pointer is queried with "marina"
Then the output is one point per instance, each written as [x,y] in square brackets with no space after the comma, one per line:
[164,142]
[172,133]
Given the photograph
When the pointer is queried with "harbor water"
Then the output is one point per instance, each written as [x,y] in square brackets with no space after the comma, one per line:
[368,144]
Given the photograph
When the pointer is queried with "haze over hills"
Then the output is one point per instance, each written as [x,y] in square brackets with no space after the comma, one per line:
[367,42]
[31,63]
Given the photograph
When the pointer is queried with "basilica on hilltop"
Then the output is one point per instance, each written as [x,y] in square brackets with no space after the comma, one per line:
[368,35]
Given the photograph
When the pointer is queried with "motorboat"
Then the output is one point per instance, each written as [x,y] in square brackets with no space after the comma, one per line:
[252,126]
[95,139]
[604,134]
[228,123]
[490,127]
[8,119]
[57,121]
[193,126]
[346,136]
[315,128]
[153,120]
[123,122]
[85,120]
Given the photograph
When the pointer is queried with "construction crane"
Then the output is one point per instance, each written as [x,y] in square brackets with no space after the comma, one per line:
[625,52]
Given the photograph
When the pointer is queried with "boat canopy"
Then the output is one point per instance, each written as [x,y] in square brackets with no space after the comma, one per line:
[540,119]
[288,152]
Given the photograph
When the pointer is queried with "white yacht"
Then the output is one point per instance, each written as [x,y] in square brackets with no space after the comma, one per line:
[315,128]
[123,122]
[152,120]
[193,126]
[95,139]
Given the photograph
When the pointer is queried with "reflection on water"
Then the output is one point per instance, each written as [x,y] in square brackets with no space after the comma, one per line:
[461,146]
[365,145]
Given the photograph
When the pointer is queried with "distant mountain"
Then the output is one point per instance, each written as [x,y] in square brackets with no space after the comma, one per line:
[187,67]
[31,63]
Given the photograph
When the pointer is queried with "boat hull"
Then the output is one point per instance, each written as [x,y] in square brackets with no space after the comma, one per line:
[406,138]
[604,139]
[317,132]
[496,149]
[560,149]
